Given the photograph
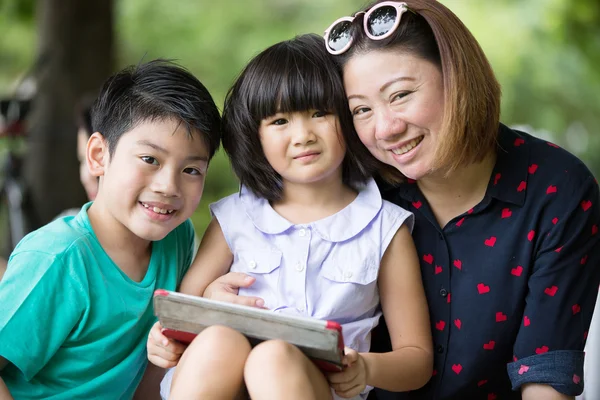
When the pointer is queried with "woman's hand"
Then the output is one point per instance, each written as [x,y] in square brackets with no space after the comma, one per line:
[162,351]
[353,379]
[225,288]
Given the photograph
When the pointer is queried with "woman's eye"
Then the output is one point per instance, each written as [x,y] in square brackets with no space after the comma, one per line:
[149,160]
[400,96]
[360,110]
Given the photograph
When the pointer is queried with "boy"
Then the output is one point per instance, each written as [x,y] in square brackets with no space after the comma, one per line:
[76,300]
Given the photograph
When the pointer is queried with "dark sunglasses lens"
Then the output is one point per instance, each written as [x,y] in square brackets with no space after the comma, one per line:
[382,20]
[339,35]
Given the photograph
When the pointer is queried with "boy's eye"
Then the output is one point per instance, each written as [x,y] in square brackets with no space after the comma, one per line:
[192,171]
[149,160]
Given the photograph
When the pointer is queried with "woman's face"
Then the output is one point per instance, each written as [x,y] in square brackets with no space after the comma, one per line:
[397,102]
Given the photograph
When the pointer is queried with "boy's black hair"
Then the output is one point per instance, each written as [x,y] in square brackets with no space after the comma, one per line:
[294,75]
[156,90]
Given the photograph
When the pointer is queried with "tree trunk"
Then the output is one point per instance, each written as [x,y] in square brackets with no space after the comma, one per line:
[75,56]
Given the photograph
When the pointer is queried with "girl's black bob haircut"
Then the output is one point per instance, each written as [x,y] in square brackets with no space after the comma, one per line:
[290,76]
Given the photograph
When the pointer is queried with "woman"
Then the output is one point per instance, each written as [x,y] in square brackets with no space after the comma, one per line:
[506,224]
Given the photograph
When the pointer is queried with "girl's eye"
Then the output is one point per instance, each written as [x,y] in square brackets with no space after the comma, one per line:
[149,160]
[320,114]
[280,121]
[192,171]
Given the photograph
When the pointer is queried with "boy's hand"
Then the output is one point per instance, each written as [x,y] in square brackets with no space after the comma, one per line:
[225,288]
[162,351]
[353,379]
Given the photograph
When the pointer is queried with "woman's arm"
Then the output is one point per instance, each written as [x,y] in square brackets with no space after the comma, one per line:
[212,260]
[410,363]
[535,391]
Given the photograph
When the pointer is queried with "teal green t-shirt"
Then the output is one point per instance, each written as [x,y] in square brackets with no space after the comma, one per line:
[72,324]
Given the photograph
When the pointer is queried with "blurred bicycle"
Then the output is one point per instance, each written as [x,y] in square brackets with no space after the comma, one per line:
[13,193]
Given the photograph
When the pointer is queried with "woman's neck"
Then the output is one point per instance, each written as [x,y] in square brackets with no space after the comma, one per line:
[450,195]
[305,203]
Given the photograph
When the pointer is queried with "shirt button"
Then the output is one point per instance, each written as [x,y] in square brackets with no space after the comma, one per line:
[299,267]
[252,264]
[440,348]
[302,232]
[301,308]
[347,274]
[443,292]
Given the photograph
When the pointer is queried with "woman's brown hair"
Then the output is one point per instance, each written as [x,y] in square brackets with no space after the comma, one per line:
[432,32]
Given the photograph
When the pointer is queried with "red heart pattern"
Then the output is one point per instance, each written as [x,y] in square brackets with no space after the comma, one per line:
[460,221]
[458,264]
[497,178]
[517,271]
[523,369]
[458,323]
[489,345]
[522,186]
[518,142]
[457,368]
[576,308]
[583,259]
[490,241]
[576,379]
[532,168]
[526,321]
[438,269]
[541,350]
[551,189]
[551,291]
[506,213]
[428,258]
[440,325]
[417,204]
[530,235]
[500,317]
[482,288]
[586,204]
[554,220]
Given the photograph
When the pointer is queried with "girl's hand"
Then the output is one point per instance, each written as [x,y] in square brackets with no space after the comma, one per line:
[162,351]
[225,288]
[353,379]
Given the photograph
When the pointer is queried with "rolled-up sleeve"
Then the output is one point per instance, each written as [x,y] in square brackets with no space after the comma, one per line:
[562,291]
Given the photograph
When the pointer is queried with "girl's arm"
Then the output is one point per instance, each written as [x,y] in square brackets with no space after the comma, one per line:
[410,363]
[212,260]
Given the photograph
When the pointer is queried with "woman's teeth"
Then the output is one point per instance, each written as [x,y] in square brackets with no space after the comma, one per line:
[406,148]
[158,210]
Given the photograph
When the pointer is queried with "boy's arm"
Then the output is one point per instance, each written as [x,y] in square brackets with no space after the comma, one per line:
[4,393]
[149,387]
[2,267]
[212,260]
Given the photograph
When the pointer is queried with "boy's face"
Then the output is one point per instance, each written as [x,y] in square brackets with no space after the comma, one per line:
[154,180]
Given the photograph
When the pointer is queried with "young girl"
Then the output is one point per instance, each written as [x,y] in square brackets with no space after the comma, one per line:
[310,226]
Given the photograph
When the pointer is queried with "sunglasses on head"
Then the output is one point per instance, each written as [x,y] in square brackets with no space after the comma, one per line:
[380,21]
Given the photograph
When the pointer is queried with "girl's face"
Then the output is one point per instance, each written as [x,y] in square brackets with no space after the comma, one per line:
[303,147]
[397,103]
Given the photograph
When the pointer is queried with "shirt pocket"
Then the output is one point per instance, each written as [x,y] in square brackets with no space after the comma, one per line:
[348,286]
[349,268]
[265,267]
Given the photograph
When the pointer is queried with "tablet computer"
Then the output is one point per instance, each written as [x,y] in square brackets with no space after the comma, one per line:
[183,317]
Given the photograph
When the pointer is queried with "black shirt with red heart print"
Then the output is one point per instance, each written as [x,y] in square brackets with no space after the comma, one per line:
[511,283]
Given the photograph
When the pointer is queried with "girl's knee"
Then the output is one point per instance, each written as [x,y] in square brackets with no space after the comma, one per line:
[273,355]
[218,339]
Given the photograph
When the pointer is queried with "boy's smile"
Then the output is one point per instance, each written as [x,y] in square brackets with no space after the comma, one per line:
[153,181]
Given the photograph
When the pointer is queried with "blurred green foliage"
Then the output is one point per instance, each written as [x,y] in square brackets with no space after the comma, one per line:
[545,54]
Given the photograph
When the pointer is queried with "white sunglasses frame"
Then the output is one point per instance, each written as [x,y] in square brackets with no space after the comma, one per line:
[401,8]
